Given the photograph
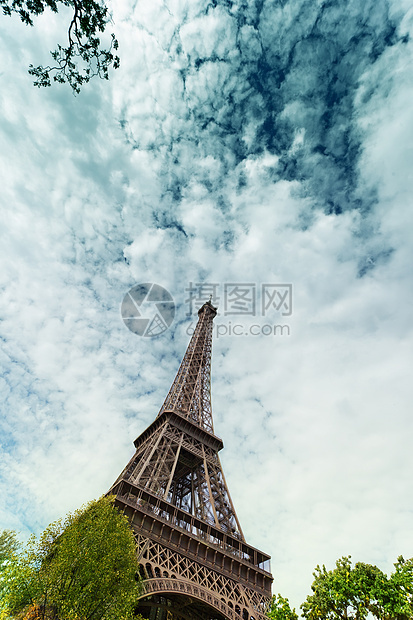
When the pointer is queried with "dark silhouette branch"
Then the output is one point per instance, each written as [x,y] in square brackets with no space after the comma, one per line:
[83,58]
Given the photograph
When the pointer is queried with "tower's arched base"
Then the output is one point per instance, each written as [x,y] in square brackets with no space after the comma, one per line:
[180,599]
[171,606]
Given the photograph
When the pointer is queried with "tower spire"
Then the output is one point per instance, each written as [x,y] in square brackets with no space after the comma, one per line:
[190,393]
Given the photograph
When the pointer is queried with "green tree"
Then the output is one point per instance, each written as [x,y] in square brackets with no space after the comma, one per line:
[402,583]
[84,567]
[280,609]
[352,593]
[83,57]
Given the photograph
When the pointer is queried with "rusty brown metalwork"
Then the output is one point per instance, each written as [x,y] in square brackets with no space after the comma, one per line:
[190,393]
[194,560]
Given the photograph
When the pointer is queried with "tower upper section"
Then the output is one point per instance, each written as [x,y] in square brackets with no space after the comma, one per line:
[190,393]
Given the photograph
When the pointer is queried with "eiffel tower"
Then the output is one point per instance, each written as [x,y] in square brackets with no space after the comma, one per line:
[193,557]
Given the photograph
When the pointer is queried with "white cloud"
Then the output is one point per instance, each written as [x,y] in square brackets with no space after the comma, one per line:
[211,34]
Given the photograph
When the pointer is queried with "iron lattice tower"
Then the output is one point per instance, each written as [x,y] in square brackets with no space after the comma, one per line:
[193,558]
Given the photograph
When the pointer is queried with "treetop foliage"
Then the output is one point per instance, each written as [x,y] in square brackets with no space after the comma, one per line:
[83,57]
[354,592]
[280,609]
[82,567]
[8,545]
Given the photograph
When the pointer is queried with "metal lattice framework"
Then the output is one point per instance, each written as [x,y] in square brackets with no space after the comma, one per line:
[190,393]
[193,556]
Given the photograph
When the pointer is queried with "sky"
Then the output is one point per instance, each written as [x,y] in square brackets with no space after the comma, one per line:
[259,151]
